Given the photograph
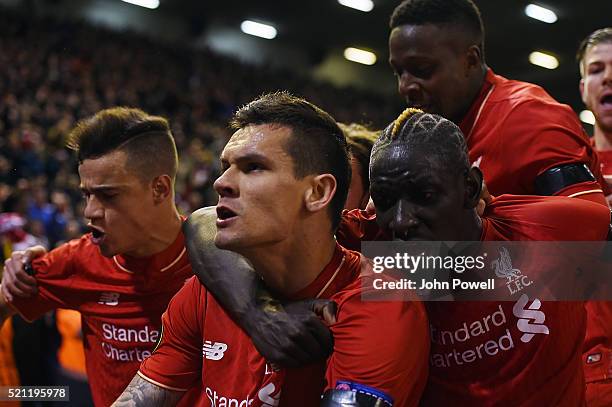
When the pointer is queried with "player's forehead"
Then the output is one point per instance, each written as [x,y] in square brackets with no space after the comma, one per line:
[105,171]
[599,52]
[263,140]
[425,41]
[397,164]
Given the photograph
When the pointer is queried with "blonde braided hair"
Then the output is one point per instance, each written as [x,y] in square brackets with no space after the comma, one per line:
[401,119]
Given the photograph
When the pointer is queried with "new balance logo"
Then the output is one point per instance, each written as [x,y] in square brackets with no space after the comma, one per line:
[531,321]
[108,298]
[213,351]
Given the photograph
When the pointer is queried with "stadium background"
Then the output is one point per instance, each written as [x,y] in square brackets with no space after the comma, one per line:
[62,60]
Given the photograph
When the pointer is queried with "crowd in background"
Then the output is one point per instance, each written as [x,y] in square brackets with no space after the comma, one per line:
[55,73]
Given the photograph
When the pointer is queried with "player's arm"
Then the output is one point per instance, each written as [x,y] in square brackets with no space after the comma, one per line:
[141,392]
[289,336]
[393,374]
[16,282]
[556,156]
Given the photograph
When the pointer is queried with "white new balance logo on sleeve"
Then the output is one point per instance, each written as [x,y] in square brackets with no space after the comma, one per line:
[213,351]
[109,298]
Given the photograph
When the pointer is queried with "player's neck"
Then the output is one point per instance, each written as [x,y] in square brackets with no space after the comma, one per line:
[603,139]
[160,234]
[288,267]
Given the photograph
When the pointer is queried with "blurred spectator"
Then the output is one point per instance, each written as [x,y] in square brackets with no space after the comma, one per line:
[595,61]
[360,140]
[52,76]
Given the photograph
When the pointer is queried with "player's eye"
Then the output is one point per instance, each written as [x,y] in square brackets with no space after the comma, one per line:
[250,167]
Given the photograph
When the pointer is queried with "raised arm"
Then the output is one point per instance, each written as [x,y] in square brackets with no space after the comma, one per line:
[141,392]
[289,336]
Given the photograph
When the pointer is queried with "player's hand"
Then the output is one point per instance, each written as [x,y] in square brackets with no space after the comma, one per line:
[294,336]
[15,281]
[485,199]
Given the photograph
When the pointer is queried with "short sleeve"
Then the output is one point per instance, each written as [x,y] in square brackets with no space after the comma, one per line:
[176,362]
[544,136]
[383,345]
[55,277]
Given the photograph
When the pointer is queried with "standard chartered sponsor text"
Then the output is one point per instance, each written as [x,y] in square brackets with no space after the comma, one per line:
[450,340]
[132,336]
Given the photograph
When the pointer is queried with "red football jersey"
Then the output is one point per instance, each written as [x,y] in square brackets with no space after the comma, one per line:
[515,131]
[606,166]
[378,344]
[479,355]
[121,301]
[597,350]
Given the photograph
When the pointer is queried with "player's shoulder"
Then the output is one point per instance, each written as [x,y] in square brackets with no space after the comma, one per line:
[583,219]
[525,100]
[365,289]
[76,251]
[192,292]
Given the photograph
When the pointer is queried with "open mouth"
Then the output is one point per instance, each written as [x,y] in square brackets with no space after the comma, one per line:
[224,213]
[606,100]
[97,235]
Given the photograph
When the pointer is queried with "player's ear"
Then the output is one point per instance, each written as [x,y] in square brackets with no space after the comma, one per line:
[161,187]
[320,192]
[473,58]
[581,87]
[473,187]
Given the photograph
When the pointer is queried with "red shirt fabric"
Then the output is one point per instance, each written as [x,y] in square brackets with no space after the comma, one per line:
[515,131]
[494,367]
[382,345]
[605,157]
[120,299]
[597,350]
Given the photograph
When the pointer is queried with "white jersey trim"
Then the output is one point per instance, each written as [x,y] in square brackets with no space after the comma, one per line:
[591,191]
[158,383]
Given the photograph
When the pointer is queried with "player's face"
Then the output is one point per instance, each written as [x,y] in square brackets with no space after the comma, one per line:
[357,196]
[431,69]
[415,197]
[260,199]
[118,205]
[596,85]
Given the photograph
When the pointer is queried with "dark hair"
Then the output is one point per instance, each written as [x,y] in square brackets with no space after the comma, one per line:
[146,139]
[463,13]
[439,137]
[596,37]
[360,141]
[317,145]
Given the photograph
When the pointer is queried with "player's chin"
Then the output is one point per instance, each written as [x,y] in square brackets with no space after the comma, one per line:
[107,250]
[225,240]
